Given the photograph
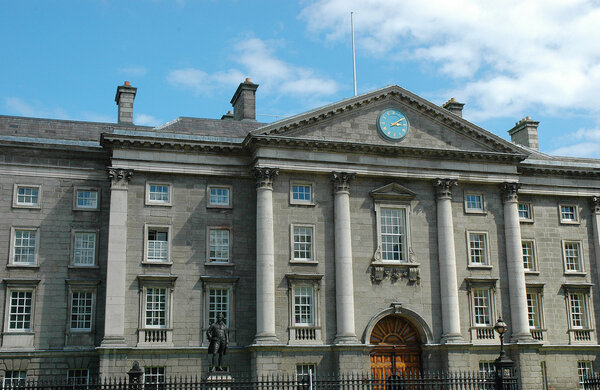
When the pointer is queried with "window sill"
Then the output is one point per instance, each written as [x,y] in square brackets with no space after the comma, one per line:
[217,264]
[159,263]
[311,262]
[159,204]
[477,212]
[480,266]
[212,206]
[527,272]
[527,221]
[23,206]
[569,222]
[24,266]
[575,273]
[306,204]
[395,264]
[85,209]
[82,267]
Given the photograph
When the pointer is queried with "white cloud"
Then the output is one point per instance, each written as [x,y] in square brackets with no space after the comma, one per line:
[257,61]
[95,117]
[146,120]
[588,145]
[134,71]
[508,56]
[17,106]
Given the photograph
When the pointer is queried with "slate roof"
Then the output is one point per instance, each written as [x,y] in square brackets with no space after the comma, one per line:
[208,127]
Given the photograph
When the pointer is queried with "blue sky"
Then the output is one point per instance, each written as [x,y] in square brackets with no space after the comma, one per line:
[505,60]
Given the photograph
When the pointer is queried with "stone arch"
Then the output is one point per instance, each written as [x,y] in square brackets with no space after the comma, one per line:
[409,315]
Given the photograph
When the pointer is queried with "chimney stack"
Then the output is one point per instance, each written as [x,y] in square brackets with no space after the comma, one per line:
[124,99]
[525,133]
[454,107]
[244,101]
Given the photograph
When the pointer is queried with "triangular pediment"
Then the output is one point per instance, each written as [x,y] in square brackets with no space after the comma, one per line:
[354,120]
[392,191]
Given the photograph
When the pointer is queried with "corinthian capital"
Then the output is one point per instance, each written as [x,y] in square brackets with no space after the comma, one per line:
[119,176]
[264,177]
[509,192]
[341,181]
[443,187]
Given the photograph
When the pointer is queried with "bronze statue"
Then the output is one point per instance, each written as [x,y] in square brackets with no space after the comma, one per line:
[218,336]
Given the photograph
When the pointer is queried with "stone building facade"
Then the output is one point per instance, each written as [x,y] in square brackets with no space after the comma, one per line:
[327,242]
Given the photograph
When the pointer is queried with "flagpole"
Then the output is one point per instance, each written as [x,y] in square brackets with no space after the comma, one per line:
[353,50]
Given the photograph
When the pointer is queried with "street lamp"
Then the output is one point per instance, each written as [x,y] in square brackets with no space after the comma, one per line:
[504,366]
[501,328]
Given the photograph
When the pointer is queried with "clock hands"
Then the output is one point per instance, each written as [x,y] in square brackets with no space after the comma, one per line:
[397,123]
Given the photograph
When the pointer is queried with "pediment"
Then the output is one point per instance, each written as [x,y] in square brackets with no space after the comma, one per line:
[354,121]
[392,191]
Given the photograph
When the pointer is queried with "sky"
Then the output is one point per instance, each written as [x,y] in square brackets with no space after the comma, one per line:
[504,59]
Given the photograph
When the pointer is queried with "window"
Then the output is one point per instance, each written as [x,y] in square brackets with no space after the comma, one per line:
[20,310]
[219,196]
[305,322]
[393,234]
[26,196]
[529,260]
[218,302]
[304,370]
[478,251]
[154,378]
[568,213]
[474,203]
[156,307]
[84,249]
[534,309]
[158,194]
[572,256]
[24,246]
[86,199]
[584,369]
[525,212]
[578,310]
[81,311]
[157,244]
[78,377]
[482,308]
[219,245]
[303,305]
[487,368]
[14,378]
[302,243]
[301,193]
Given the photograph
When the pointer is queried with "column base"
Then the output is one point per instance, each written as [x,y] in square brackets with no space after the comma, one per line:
[454,338]
[348,339]
[522,338]
[113,341]
[266,339]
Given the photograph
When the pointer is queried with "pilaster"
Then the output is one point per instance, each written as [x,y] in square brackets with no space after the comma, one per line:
[596,229]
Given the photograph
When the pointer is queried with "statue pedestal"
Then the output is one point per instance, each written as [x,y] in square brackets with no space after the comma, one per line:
[219,380]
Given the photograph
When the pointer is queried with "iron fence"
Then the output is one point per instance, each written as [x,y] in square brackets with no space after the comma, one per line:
[591,381]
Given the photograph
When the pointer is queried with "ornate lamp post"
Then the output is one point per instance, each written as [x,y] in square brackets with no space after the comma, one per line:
[504,366]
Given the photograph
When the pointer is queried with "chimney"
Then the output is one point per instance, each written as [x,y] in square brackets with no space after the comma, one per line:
[244,101]
[124,98]
[525,133]
[228,116]
[454,107]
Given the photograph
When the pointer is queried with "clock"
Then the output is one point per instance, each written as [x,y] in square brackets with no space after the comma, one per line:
[392,124]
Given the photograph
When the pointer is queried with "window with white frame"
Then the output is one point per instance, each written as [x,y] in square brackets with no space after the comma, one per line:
[525,212]
[474,203]
[304,370]
[78,376]
[86,199]
[304,306]
[572,256]
[82,307]
[393,233]
[218,302]
[219,196]
[302,243]
[534,309]
[219,297]
[20,311]
[584,369]
[482,306]
[157,244]
[487,368]
[26,196]
[478,248]
[155,311]
[84,248]
[219,245]
[301,193]
[568,213]
[154,377]
[14,378]
[578,310]
[529,259]
[24,246]
[158,194]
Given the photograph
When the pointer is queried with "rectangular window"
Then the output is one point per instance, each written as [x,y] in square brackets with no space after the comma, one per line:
[219,196]
[218,302]
[86,199]
[301,193]
[27,196]
[158,245]
[21,304]
[482,311]
[304,370]
[303,305]
[14,378]
[487,368]
[568,213]
[529,263]
[158,194]
[24,249]
[218,245]
[84,249]
[478,248]
[156,307]
[393,234]
[578,311]
[81,310]
[78,377]
[584,369]
[154,378]
[572,256]
[525,213]
[303,243]
[474,203]
[534,310]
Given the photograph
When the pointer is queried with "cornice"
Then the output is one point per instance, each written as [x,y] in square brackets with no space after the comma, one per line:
[128,141]
[557,170]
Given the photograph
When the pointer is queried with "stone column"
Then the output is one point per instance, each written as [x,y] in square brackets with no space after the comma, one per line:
[344,282]
[265,257]
[114,315]
[514,263]
[596,228]
[447,262]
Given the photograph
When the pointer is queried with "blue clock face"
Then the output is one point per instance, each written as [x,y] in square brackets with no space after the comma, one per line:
[392,124]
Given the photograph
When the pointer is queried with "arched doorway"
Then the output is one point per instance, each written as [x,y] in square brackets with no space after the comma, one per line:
[397,347]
